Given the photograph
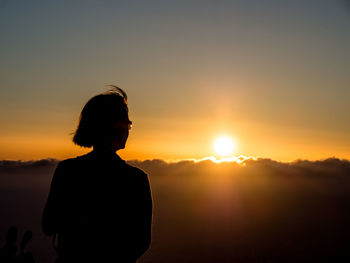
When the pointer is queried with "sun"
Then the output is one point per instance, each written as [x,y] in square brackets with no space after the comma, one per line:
[224,146]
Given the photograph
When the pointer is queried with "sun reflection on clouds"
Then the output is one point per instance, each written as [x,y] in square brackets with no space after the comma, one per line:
[235,159]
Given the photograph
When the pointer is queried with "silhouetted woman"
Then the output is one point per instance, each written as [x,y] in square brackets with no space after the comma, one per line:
[100,208]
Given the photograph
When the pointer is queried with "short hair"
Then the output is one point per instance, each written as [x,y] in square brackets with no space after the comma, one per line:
[98,116]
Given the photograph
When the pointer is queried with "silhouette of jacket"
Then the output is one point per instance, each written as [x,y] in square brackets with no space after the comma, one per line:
[101,209]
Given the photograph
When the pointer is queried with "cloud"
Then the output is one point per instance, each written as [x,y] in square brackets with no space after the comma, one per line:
[15,166]
[331,166]
[253,211]
[258,210]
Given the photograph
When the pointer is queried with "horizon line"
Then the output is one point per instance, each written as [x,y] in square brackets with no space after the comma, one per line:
[240,159]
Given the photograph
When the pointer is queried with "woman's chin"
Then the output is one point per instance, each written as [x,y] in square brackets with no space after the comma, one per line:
[119,147]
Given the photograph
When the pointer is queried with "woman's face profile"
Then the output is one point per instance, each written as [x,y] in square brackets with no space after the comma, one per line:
[120,134]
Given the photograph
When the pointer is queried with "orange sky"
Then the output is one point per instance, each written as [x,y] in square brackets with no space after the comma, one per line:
[274,77]
[179,139]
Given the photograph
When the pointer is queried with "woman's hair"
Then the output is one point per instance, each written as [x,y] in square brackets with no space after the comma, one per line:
[99,115]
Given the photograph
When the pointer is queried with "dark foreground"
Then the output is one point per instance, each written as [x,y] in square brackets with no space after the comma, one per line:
[264,211]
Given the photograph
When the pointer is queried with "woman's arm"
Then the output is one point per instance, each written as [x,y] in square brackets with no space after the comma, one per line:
[51,211]
[145,218]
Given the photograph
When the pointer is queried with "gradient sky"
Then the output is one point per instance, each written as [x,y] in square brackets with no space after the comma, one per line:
[274,76]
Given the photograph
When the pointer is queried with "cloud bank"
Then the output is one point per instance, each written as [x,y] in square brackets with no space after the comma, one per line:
[330,166]
[258,210]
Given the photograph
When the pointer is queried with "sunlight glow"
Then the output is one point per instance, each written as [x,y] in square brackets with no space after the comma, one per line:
[224,146]
[234,159]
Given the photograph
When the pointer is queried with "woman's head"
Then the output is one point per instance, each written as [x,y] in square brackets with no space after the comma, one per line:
[104,121]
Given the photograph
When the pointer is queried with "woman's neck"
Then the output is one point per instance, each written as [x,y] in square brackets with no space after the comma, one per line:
[103,150]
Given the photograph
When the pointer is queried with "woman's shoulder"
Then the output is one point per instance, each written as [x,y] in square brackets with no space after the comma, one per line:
[135,169]
[71,162]
[137,176]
